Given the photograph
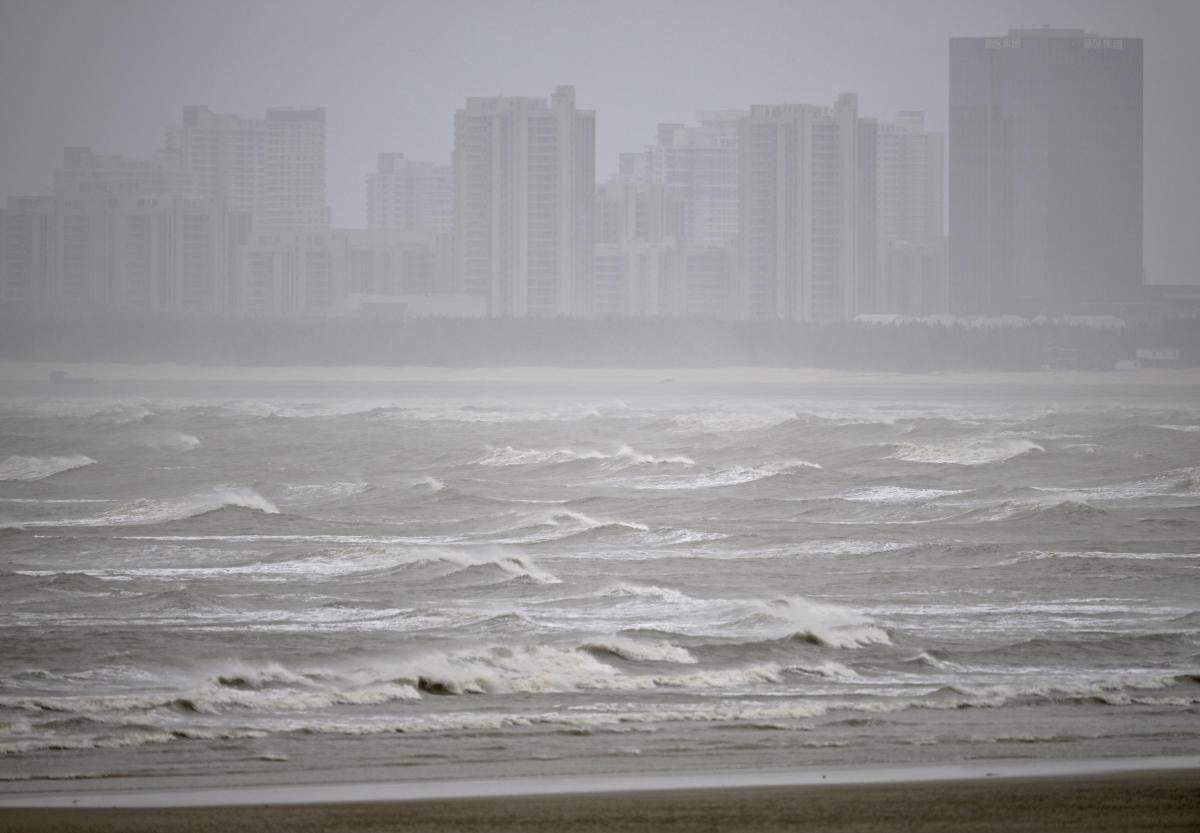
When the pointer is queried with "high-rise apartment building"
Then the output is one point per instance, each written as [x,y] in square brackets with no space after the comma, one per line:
[644,266]
[698,166]
[525,174]
[120,235]
[638,241]
[272,168]
[89,252]
[84,171]
[1045,170]
[347,271]
[911,180]
[293,193]
[911,217]
[416,196]
[807,238]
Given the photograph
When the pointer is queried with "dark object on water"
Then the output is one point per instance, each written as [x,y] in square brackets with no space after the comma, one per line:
[60,377]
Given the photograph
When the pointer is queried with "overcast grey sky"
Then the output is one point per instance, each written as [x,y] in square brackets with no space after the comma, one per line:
[113,74]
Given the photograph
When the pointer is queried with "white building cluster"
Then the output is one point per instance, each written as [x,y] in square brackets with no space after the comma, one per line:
[125,235]
[525,178]
[794,212]
[403,194]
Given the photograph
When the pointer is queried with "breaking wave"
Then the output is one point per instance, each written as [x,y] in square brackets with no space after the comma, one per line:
[897,494]
[816,622]
[151,511]
[37,468]
[643,591]
[543,668]
[568,524]
[1116,691]
[621,457]
[515,566]
[735,475]
[967,453]
[1061,507]
[641,651]
[175,440]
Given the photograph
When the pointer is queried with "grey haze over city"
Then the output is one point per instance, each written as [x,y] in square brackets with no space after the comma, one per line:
[112,75]
[412,398]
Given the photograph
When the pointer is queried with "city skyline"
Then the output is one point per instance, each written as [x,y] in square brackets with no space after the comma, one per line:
[397,93]
[228,219]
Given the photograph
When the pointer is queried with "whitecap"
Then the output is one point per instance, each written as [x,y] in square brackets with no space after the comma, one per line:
[152,511]
[897,494]
[635,651]
[820,622]
[37,468]
[174,440]
[733,475]
[566,524]
[730,421]
[967,453]
[621,456]
[643,591]
[518,566]
[543,668]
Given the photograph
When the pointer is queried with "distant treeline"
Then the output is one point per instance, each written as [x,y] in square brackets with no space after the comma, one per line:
[637,342]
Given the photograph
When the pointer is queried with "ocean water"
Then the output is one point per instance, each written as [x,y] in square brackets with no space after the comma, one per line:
[278,581]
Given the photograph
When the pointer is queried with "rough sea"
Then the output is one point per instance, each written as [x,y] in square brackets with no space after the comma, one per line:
[296,581]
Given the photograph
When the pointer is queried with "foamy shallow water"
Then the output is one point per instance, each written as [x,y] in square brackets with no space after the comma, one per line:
[458,578]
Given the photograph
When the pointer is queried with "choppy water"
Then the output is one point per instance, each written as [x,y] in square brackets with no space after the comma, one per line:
[435,579]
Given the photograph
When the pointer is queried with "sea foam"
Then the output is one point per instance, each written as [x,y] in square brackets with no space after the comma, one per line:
[620,457]
[968,453]
[38,468]
[152,511]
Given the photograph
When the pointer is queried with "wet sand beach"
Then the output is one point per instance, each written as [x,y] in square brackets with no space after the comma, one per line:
[1158,801]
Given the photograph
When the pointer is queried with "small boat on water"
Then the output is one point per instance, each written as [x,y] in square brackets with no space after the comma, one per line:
[61,377]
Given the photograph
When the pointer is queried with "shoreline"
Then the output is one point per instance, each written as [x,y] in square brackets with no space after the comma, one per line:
[612,784]
[1160,800]
[161,372]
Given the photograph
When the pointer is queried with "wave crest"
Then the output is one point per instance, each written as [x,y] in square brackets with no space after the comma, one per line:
[642,590]
[968,453]
[38,468]
[621,457]
[634,651]
[152,511]
[543,668]
[516,566]
[737,475]
[819,623]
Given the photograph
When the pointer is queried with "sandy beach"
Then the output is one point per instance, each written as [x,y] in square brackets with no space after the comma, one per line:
[1160,801]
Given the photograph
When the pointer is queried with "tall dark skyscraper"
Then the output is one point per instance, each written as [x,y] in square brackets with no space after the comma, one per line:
[1045,171]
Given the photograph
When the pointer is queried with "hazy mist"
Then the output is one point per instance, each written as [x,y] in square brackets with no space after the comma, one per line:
[420,399]
[112,75]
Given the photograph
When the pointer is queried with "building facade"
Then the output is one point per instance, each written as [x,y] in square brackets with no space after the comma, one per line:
[120,235]
[645,266]
[638,239]
[290,273]
[807,236]
[525,171]
[911,205]
[416,196]
[272,168]
[699,167]
[1045,171]
[94,253]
